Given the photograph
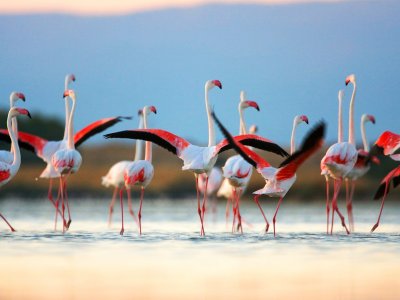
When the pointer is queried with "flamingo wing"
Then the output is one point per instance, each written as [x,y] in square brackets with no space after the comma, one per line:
[95,128]
[162,138]
[392,175]
[26,141]
[252,140]
[250,156]
[388,142]
[311,143]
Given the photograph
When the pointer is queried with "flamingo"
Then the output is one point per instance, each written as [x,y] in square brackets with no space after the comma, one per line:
[195,158]
[67,160]
[8,156]
[139,172]
[227,190]
[278,181]
[237,171]
[9,169]
[115,176]
[387,143]
[361,167]
[341,157]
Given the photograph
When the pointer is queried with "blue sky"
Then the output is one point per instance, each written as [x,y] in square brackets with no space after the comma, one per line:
[291,59]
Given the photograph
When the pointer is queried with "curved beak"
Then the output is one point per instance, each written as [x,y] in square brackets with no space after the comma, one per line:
[253,104]
[66,94]
[371,118]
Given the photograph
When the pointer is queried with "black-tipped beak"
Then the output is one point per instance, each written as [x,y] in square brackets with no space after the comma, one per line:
[65,94]
[29,115]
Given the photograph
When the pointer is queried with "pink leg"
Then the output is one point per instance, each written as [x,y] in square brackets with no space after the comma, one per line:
[259,206]
[9,225]
[140,209]
[348,201]
[204,203]
[383,203]
[350,206]
[54,203]
[50,192]
[234,208]
[327,204]
[111,206]
[276,212]
[132,213]
[66,202]
[335,208]
[198,205]
[122,211]
[239,192]
[62,201]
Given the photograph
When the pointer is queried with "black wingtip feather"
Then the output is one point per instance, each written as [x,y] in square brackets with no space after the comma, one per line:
[381,191]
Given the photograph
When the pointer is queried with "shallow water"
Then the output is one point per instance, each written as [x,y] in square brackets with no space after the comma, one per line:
[171,260]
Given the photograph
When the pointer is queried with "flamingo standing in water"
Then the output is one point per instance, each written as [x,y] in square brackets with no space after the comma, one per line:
[324,169]
[361,167]
[387,143]
[340,158]
[9,169]
[45,149]
[115,176]
[236,170]
[66,161]
[139,172]
[278,181]
[196,158]
[8,156]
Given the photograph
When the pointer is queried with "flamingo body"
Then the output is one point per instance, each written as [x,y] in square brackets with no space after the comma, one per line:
[214,181]
[115,176]
[139,173]
[66,161]
[340,159]
[237,171]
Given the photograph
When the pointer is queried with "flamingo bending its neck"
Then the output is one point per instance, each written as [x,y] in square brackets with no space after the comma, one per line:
[387,143]
[278,181]
[9,169]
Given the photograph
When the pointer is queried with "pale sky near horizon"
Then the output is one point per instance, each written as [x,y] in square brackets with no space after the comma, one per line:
[112,7]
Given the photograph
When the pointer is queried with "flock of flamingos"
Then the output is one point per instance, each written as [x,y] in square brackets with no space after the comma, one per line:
[342,161]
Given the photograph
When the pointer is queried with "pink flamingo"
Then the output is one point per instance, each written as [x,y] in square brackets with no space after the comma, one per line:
[361,167]
[139,172]
[341,157]
[9,169]
[8,156]
[195,158]
[237,171]
[115,176]
[278,181]
[67,160]
[387,143]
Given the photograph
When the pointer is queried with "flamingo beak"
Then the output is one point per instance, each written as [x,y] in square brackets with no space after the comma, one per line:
[371,118]
[21,96]
[66,94]
[140,112]
[347,81]
[29,115]
[73,77]
[153,109]
[304,119]
[217,83]
[253,104]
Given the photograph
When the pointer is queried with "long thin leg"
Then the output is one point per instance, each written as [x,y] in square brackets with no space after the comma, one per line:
[62,201]
[132,213]
[111,206]
[66,202]
[350,206]
[140,209]
[327,204]
[198,204]
[335,194]
[348,201]
[335,207]
[265,219]
[276,212]
[204,203]
[383,203]
[122,211]
[234,208]
[9,225]
[239,192]
[50,192]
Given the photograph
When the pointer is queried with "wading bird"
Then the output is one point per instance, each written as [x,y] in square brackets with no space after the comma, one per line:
[195,158]
[278,181]
[9,169]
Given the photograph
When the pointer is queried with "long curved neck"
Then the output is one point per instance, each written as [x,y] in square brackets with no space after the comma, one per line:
[364,136]
[292,139]
[243,128]
[67,112]
[14,143]
[70,138]
[139,143]
[340,122]
[211,130]
[148,153]
[14,125]
[351,116]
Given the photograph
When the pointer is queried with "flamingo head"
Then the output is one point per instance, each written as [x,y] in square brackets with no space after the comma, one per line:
[371,118]
[69,93]
[302,118]
[213,83]
[15,96]
[148,109]
[140,112]
[249,103]
[351,78]
[70,78]
[253,129]
[15,111]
